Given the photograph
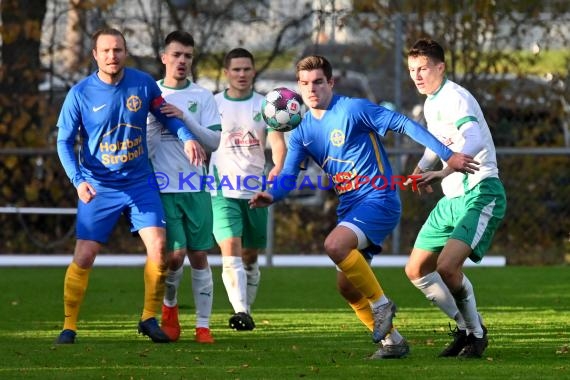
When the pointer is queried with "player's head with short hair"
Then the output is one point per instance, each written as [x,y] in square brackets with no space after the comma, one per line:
[428,48]
[110,53]
[315,82]
[314,62]
[177,58]
[106,32]
[426,64]
[237,53]
[183,38]
[239,69]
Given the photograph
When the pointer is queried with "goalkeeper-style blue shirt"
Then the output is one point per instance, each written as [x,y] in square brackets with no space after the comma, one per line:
[346,144]
[111,122]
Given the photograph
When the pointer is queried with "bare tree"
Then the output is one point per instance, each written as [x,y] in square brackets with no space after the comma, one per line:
[73,49]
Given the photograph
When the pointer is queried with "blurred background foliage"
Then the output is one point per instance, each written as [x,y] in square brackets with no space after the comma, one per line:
[513,56]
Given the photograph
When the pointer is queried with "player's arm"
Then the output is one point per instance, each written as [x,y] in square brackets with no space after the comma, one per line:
[278,152]
[472,140]
[286,181]
[426,163]
[469,142]
[66,153]
[192,147]
[455,160]
[68,127]
[153,128]
[209,137]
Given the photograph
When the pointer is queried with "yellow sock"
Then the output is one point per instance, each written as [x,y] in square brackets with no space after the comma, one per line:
[154,276]
[363,312]
[74,287]
[359,273]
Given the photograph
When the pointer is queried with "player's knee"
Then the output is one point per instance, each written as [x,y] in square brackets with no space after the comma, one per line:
[198,259]
[334,248]
[249,256]
[412,271]
[85,253]
[175,260]
[156,247]
[446,272]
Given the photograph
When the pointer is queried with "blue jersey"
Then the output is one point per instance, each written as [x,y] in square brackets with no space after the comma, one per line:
[346,144]
[111,122]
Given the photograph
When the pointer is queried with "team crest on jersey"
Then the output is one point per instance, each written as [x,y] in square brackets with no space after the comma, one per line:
[337,137]
[134,103]
[192,106]
[256,115]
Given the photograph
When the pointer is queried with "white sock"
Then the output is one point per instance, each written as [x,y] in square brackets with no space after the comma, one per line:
[235,281]
[172,283]
[438,293]
[383,300]
[393,337]
[253,277]
[203,291]
[465,300]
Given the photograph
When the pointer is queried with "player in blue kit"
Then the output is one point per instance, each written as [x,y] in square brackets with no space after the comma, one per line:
[342,135]
[108,110]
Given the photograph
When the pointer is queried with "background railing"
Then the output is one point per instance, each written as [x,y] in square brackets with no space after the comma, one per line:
[535,231]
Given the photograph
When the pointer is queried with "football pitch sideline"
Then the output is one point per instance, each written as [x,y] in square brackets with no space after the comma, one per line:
[304,329]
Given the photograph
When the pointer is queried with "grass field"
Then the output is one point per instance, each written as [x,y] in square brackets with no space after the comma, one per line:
[304,329]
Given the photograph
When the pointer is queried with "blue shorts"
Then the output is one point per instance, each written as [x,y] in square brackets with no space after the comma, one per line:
[372,220]
[140,204]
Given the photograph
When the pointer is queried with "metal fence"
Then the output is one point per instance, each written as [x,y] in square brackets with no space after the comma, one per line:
[535,231]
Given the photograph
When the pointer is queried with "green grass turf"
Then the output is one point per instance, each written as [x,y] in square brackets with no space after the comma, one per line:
[304,329]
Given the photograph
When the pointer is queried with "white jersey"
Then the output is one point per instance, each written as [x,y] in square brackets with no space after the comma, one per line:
[455,118]
[239,163]
[174,172]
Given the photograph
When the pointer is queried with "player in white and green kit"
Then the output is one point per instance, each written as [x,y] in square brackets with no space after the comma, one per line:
[463,222]
[186,201]
[238,167]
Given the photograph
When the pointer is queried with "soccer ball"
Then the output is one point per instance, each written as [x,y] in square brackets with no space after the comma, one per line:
[282,109]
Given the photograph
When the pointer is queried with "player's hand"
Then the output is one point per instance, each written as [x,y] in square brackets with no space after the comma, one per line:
[86,192]
[463,163]
[428,178]
[171,110]
[274,172]
[195,152]
[262,199]
[415,184]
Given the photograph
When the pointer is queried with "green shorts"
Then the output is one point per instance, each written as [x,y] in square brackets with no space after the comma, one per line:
[234,218]
[188,220]
[472,218]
